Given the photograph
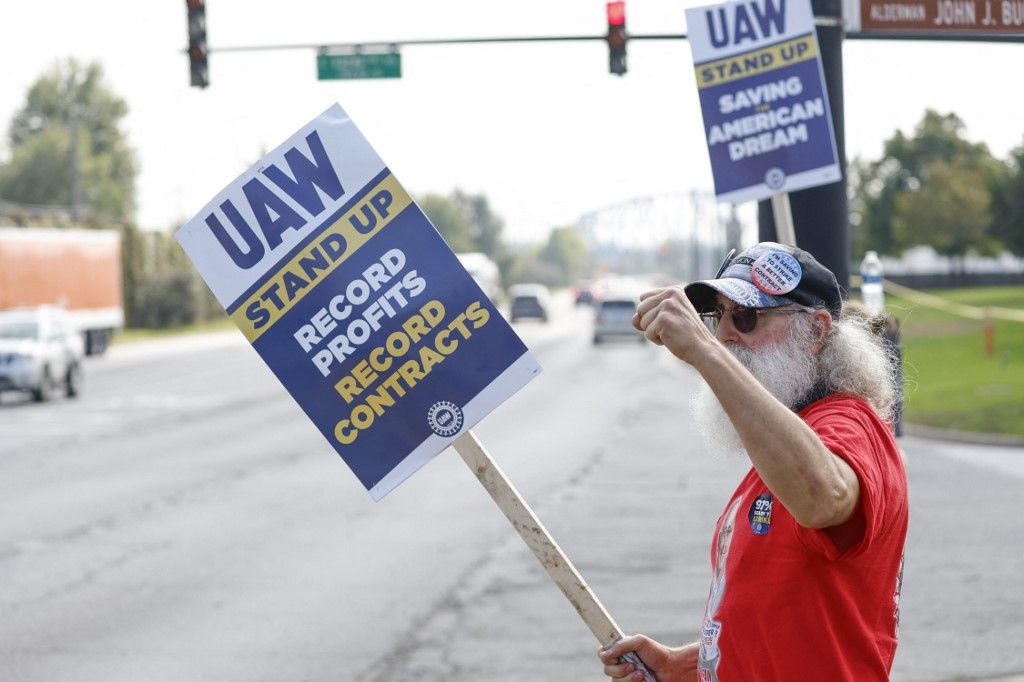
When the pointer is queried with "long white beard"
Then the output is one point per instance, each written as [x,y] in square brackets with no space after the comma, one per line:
[788,370]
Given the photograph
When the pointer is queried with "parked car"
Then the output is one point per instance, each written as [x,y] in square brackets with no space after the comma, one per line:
[40,352]
[613,317]
[529,300]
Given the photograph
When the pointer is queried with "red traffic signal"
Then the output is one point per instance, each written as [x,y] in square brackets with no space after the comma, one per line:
[617,14]
[617,38]
[198,54]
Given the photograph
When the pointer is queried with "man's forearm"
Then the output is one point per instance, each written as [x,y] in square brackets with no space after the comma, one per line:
[817,487]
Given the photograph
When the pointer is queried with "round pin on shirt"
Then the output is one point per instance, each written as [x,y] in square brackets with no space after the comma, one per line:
[776,273]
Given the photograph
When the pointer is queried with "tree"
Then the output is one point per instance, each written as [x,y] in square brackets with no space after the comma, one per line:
[900,171]
[71,122]
[133,268]
[567,254]
[949,211]
[162,288]
[166,300]
[467,223]
[485,227]
[527,266]
[1008,204]
[450,220]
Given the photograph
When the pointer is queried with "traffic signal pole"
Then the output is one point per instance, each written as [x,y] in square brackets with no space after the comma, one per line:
[820,214]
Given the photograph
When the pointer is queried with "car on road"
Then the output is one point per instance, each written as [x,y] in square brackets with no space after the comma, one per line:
[40,352]
[583,293]
[529,300]
[613,318]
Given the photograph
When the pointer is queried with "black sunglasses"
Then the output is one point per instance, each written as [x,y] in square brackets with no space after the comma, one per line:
[745,319]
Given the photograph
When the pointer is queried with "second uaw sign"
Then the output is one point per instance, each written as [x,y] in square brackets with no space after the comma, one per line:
[762,93]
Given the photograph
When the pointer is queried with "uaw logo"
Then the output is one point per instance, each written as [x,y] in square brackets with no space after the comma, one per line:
[444,418]
[760,514]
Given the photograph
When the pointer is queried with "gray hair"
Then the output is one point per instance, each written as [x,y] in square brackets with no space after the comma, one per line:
[857,360]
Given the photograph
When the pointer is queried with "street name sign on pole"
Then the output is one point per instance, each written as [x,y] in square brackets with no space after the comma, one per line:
[936,18]
[368,319]
[355,65]
[762,92]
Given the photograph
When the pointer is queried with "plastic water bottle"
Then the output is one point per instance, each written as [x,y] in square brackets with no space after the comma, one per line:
[871,283]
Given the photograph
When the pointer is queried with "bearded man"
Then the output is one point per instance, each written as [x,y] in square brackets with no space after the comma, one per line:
[807,557]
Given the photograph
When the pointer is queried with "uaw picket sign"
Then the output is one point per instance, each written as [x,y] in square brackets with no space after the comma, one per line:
[368,319]
[763,99]
[355,302]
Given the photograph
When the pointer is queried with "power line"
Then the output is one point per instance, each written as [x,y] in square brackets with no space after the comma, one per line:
[440,41]
[359,46]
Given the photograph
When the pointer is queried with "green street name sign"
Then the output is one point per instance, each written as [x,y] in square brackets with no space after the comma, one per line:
[350,66]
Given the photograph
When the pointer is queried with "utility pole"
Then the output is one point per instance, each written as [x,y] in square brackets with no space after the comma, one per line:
[76,166]
[820,214]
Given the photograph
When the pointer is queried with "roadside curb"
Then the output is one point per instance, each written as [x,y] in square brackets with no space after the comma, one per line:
[175,344]
[970,437]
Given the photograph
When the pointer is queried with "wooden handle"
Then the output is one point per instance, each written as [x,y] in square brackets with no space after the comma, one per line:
[537,538]
[783,214]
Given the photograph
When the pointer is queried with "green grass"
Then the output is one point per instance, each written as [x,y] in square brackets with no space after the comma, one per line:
[133,335]
[951,383]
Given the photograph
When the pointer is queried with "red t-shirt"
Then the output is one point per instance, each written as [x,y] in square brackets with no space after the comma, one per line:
[785,602]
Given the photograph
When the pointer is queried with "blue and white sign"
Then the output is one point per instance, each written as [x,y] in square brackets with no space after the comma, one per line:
[762,93]
[355,302]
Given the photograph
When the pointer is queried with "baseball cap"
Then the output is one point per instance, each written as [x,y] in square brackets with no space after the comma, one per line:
[768,275]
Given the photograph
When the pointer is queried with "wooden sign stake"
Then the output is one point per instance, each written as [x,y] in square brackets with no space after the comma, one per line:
[540,542]
[783,215]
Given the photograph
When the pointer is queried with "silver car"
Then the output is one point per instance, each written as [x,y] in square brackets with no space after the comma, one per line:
[39,353]
[613,317]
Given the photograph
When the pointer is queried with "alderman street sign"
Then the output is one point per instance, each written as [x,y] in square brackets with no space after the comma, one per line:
[762,94]
[935,17]
[355,302]
[358,65]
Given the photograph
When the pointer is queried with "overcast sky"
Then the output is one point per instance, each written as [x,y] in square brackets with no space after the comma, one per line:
[542,129]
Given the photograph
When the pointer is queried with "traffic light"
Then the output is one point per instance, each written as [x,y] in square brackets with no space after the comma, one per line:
[617,38]
[198,55]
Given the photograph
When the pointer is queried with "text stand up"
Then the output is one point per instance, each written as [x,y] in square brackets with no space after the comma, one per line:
[784,230]
[540,542]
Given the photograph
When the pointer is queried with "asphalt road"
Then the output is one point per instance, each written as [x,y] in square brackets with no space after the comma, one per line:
[183,521]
